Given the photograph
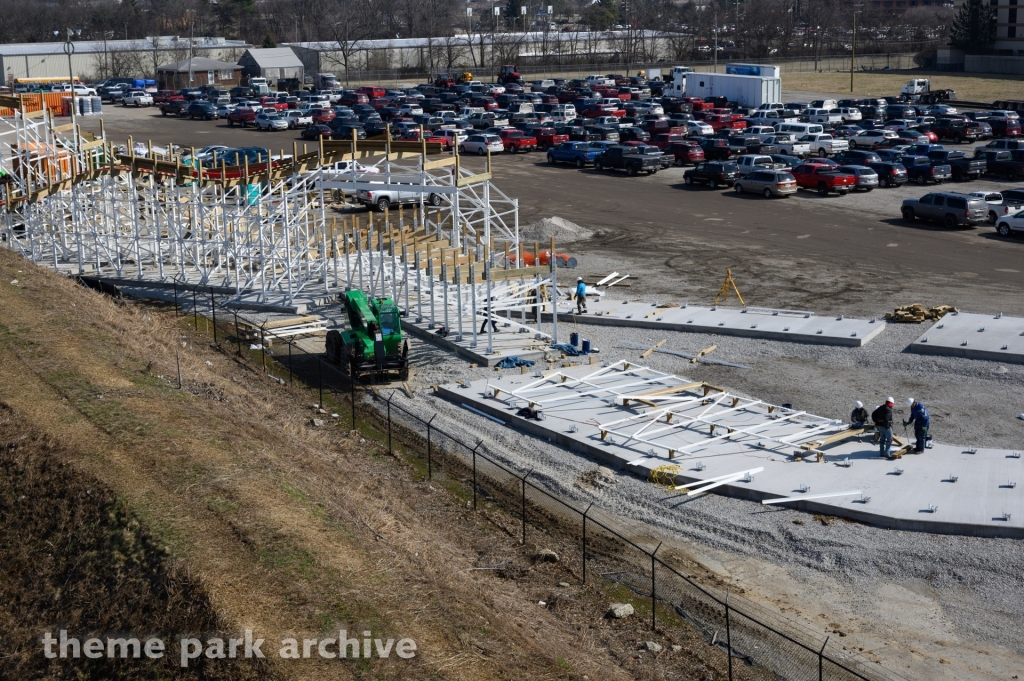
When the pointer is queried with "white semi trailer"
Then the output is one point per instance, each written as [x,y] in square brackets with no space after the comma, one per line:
[746,90]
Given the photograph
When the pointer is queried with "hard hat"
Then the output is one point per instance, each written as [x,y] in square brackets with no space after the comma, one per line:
[889,401]
[910,401]
[858,404]
[579,278]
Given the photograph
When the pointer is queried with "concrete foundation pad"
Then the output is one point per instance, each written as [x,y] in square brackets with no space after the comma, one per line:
[975,336]
[728,321]
[506,342]
[922,496]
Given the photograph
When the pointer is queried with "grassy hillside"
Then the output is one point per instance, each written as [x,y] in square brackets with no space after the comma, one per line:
[218,507]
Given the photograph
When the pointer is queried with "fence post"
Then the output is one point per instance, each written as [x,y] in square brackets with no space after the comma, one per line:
[474,472]
[195,309]
[353,388]
[821,665]
[524,504]
[213,313]
[430,456]
[238,337]
[290,363]
[263,346]
[728,634]
[319,377]
[390,397]
[177,310]
[653,601]
[585,541]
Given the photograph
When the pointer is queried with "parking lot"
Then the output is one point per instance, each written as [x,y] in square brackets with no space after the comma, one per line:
[848,254]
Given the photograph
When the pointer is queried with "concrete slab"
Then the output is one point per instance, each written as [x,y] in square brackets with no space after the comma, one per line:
[506,342]
[974,504]
[976,336]
[796,327]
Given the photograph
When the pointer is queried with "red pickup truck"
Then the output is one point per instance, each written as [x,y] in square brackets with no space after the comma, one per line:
[272,103]
[547,137]
[243,116]
[823,178]
[664,139]
[720,121]
[516,140]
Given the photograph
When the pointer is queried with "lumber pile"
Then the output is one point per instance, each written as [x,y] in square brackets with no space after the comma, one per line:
[916,313]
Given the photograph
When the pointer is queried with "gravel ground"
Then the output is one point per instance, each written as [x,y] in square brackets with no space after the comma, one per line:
[968,589]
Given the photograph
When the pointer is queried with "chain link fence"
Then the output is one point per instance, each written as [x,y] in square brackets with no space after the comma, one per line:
[760,644]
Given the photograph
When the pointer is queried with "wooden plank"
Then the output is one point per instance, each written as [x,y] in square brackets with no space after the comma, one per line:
[647,353]
[525,272]
[439,163]
[702,353]
[63,128]
[473,179]
[663,391]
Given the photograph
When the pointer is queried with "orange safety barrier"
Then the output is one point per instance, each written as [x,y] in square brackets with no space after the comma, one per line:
[545,258]
[34,102]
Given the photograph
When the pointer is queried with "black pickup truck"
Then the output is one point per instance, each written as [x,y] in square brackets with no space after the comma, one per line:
[922,170]
[955,130]
[664,160]
[1008,164]
[963,167]
[629,159]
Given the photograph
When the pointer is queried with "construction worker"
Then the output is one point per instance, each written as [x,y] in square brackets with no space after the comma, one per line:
[882,418]
[581,296]
[859,415]
[921,420]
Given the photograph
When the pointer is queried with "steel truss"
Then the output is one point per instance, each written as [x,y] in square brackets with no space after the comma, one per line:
[675,417]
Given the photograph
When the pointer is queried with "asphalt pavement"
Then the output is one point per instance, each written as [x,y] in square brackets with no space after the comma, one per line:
[658,226]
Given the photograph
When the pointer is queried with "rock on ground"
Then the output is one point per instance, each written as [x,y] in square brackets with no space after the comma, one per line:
[620,610]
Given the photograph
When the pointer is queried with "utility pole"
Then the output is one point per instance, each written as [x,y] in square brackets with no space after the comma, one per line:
[853,48]
[716,43]
[191,43]
[69,49]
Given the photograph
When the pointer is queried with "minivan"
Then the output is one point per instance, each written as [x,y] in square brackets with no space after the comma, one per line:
[801,129]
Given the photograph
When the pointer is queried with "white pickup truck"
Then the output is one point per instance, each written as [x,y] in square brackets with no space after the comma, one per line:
[485,119]
[137,98]
[824,144]
[789,144]
[748,163]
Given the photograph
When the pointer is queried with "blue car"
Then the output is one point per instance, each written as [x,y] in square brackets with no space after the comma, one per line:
[579,154]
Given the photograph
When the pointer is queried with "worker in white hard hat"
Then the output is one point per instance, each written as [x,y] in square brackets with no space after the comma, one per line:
[920,418]
[581,296]
[883,422]
[859,415]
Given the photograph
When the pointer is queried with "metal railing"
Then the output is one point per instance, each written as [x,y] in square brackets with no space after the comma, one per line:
[761,642]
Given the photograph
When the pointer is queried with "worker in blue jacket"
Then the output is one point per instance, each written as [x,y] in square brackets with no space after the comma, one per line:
[921,420]
[581,296]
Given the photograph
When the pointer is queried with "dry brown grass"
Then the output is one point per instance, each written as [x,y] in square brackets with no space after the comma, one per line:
[975,87]
[294,530]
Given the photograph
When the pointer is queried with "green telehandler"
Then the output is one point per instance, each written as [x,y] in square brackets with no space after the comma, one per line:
[373,343]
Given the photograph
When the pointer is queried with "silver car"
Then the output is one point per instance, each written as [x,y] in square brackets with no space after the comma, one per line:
[767,182]
[867,178]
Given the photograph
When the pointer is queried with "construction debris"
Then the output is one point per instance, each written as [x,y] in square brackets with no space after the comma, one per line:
[694,359]
[916,313]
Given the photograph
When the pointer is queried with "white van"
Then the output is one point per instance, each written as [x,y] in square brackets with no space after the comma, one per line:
[801,129]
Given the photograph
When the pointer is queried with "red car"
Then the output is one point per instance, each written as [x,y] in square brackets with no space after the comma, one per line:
[823,178]
[315,132]
[380,102]
[164,96]
[322,116]
[596,110]
[662,140]
[723,121]
[684,151]
[547,138]
[243,116]
[516,140]
[272,103]
[372,91]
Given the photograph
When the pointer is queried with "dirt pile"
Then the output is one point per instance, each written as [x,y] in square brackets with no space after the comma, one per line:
[560,228]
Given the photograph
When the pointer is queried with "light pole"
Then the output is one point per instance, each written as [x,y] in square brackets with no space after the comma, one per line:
[69,49]
[853,45]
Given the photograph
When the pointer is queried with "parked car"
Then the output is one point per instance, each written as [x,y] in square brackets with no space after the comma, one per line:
[699,128]
[243,116]
[137,98]
[890,173]
[1004,127]
[481,144]
[749,163]
[200,109]
[1004,163]
[999,145]
[515,141]
[297,118]
[871,139]
[824,144]
[717,149]
[349,132]
[713,174]
[579,154]
[621,157]
[964,167]
[866,177]
[173,107]
[270,121]
[922,170]
[684,152]
[386,195]
[767,182]
[950,209]
[315,132]
[823,178]
[998,205]
[788,144]
[857,157]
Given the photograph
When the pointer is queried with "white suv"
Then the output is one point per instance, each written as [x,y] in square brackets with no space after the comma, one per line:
[481,144]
